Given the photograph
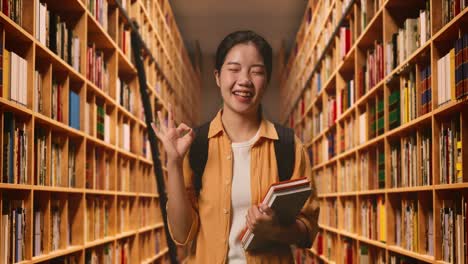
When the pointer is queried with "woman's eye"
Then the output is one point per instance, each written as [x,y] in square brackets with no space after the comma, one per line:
[233,69]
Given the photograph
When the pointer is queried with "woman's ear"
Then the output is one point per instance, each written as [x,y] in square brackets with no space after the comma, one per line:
[216,74]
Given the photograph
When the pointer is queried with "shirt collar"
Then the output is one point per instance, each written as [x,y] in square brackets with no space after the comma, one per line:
[267,129]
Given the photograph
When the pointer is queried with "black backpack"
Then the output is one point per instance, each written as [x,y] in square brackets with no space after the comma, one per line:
[284,150]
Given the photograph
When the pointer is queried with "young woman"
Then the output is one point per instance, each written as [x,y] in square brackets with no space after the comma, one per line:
[240,168]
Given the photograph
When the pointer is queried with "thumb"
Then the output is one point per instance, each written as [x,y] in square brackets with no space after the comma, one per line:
[265,209]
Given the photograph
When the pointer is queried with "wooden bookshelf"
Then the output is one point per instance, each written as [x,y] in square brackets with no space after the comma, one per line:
[385,134]
[80,177]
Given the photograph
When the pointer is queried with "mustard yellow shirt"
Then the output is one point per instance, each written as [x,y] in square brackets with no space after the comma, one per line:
[209,233]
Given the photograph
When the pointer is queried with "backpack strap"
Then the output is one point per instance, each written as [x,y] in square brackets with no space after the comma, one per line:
[198,155]
[285,152]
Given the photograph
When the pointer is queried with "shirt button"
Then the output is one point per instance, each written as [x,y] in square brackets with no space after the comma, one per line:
[225,211]
[229,157]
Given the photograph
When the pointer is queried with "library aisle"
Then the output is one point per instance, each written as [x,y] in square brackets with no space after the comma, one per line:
[377,90]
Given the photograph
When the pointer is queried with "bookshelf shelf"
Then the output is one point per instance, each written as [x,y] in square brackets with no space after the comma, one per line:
[391,149]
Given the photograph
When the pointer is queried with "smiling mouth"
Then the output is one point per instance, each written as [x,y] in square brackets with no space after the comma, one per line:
[243,94]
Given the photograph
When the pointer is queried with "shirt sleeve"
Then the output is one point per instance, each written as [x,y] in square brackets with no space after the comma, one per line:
[310,212]
[190,191]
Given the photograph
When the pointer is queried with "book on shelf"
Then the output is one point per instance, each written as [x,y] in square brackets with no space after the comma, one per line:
[394,109]
[380,117]
[414,33]
[409,162]
[15,150]
[450,145]
[13,10]
[14,215]
[285,198]
[126,136]
[368,9]
[57,107]
[451,8]
[96,68]
[72,149]
[461,66]
[99,10]
[347,251]
[452,73]
[345,40]
[100,116]
[409,97]
[15,81]
[425,91]
[395,165]
[74,110]
[454,233]
[56,163]
[53,32]
[55,228]
[426,158]
[38,92]
[373,71]
[349,208]
[347,173]
[38,233]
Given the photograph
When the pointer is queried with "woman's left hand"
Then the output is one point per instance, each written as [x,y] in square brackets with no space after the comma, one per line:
[262,221]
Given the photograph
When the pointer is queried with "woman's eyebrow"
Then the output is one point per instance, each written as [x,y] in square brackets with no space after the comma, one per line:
[233,63]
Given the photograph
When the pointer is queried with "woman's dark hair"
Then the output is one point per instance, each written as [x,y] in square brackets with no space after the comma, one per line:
[244,37]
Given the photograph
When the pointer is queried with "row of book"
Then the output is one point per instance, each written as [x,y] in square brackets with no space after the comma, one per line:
[454,222]
[96,67]
[372,73]
[105,255]
[15,150]
[56,177]
[98,172]
[12,244]
[14,81]
[450,146]
[414,34]
[368,9]
[13,10]
[97,218]
[347,175]
[347,140]
[367,255]
[99,10]
[373,219]
[329,213]
[53,32]
[451,8]
[345,40]
[125,96]
[452,74]
[346,97]
[372,166]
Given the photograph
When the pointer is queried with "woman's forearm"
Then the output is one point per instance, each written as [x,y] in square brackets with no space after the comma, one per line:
[179,208]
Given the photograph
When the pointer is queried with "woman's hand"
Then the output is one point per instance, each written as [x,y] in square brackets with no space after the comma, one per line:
[261,221]
[175,143]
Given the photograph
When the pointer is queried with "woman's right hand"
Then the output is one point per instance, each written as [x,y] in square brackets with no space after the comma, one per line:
[175,143]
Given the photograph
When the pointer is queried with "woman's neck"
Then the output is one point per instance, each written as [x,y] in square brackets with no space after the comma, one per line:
[239,127]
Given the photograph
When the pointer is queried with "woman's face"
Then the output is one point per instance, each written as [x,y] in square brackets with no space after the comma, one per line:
[242,79]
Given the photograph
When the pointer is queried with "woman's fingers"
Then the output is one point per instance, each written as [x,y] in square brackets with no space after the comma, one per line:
[170,117]
[162,126]
[182,128]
